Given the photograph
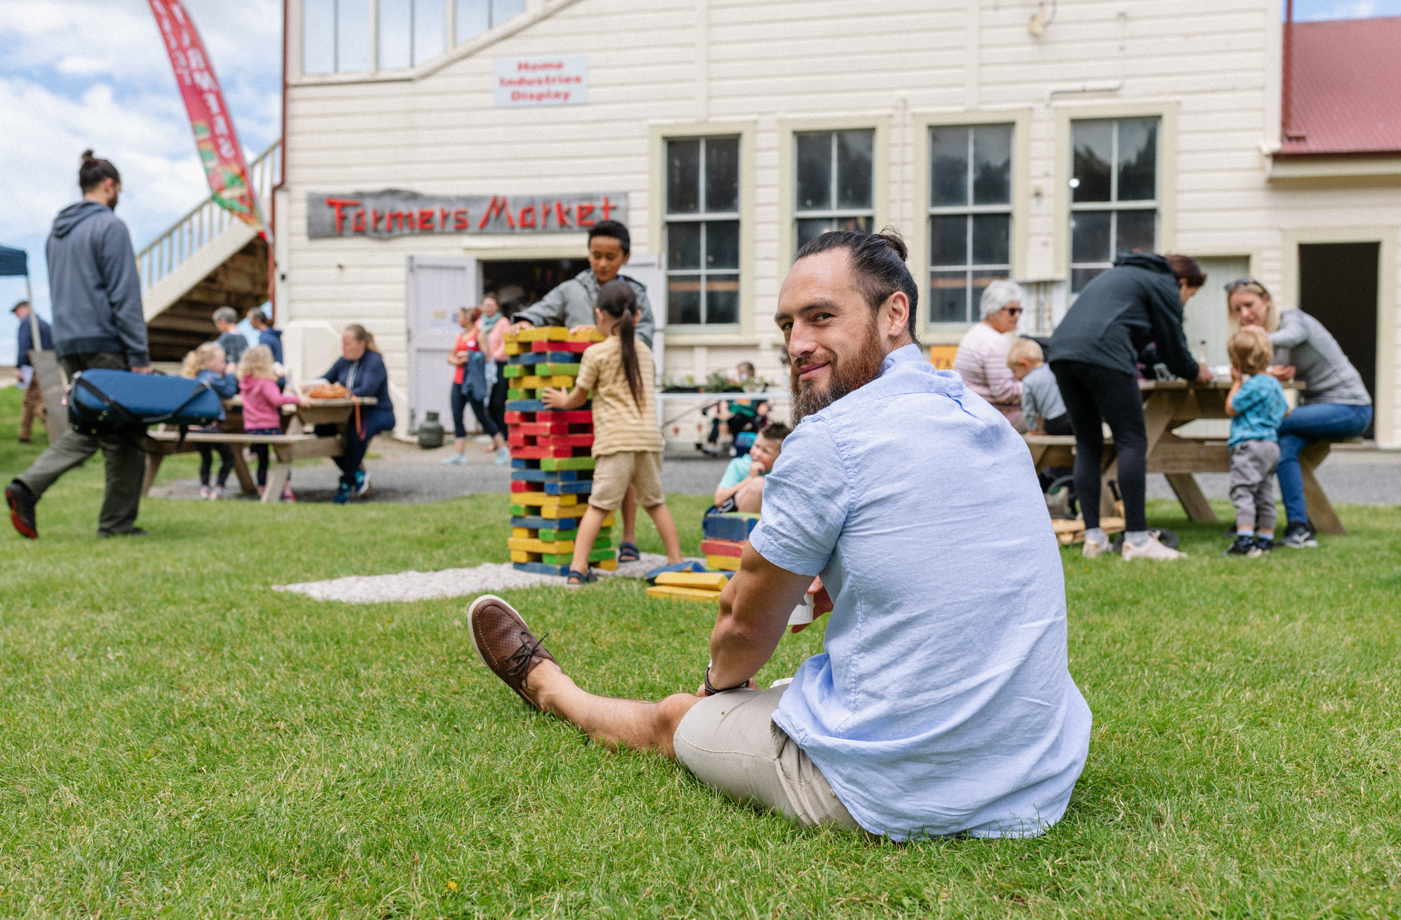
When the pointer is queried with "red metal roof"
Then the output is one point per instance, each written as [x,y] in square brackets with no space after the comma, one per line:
[1345,85]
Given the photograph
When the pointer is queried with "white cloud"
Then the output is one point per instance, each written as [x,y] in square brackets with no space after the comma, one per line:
[76,74]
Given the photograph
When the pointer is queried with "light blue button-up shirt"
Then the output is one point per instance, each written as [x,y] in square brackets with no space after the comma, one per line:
[943,703]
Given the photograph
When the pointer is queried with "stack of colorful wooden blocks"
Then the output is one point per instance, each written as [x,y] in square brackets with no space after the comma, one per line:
[551,461]
[689,586]
[723,537]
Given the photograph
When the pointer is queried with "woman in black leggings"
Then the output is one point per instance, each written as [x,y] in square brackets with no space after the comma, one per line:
[1094,355]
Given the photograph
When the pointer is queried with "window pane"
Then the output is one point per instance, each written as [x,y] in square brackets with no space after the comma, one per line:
[854,158]
[683,176]
[722,244]
[1080,277]
[394,34]
[809,230]
[683,245]
[948,297]
[814,172]
[472,18]
[992,164]
[992,239]
[502,10]
[948,165]
[1135,231]
[1138,160]
[683,299]
[722,299]
[1089,237]
[429,30]
[352,35]
[948,240]
[722,174]
[1094,151]
[318,36]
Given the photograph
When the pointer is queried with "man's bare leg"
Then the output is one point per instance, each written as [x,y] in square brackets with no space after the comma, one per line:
[614,722]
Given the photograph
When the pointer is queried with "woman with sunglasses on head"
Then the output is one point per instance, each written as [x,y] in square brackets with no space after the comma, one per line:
[982,355]
[1094,354]
[1333,406]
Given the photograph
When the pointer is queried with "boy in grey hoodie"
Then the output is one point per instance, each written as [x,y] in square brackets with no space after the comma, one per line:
[97,323]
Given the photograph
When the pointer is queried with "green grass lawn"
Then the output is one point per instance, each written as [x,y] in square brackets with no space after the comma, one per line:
[177,739]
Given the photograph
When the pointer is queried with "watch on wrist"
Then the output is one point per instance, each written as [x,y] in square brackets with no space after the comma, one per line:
[711,690]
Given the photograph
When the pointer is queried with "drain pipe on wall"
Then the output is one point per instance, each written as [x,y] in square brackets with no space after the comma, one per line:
[1123,17]
[281,176]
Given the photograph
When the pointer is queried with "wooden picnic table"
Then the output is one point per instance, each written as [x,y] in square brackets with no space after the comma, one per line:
[297,442]
[1168,405]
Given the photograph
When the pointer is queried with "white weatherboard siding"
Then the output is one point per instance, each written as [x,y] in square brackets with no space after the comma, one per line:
[1209,69]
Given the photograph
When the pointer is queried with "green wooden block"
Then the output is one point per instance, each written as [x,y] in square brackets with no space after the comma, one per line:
[556,370]
[515,370]
[598,555]
[566,463]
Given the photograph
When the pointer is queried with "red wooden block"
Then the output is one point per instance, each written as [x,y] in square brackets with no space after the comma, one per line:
[571,416]
[536,453]
[516,417]
[538,428]
[577,347]
[565,440]
[521,486]
[721,548]
[516,439]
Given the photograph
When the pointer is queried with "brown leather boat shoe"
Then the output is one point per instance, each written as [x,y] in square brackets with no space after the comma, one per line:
[504,643]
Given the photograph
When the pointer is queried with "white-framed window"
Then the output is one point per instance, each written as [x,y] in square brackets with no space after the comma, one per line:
[411,32]
[335,36]
[834,182]
[970,217]
[1113,193]
[702,230]
[474,17]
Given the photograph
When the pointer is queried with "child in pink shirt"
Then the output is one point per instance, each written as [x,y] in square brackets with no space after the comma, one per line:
[262,406]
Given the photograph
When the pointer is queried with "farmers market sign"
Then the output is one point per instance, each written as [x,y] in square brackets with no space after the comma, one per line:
[392,212]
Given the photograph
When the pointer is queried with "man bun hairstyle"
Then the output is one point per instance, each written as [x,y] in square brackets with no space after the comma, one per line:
[878,259]
[94,172]
[1186,268]
[618,300]
[614,230]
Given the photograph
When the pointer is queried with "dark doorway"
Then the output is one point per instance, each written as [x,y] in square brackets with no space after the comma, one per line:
[1338,287]
[520,283]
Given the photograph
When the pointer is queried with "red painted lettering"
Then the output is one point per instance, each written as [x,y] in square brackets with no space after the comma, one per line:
[562,215]
[527,218]
[497,207]
[608,207]
[403,218]
[581,211]
[357,225]
[374,220]
[459,219]
[425,219]
[340,204]
[443,214]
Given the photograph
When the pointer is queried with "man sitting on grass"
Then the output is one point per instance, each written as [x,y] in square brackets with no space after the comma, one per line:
[943,703]
[742,486]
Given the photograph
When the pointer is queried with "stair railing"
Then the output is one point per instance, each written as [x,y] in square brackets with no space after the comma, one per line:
[202,224]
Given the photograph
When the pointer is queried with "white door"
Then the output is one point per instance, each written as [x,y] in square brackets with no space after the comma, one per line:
[1205,314]
[437,288]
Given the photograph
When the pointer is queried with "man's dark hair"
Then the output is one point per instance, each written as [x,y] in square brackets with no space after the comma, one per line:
[615,230]
[1186,268]
[879,262]
[94,172]
[22,303]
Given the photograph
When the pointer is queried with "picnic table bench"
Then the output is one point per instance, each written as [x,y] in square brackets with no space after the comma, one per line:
[1168,406]
[297,442]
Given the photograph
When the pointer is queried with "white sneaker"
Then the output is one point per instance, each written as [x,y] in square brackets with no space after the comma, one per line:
[1092,548]
[1151,550]
[455,459]
[503,456]
[204,492]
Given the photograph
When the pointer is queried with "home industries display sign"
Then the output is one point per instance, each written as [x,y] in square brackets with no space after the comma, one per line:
[534,81]
[392,212]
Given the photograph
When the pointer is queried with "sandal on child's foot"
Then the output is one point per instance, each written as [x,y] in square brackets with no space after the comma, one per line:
[578,579]
[628,552]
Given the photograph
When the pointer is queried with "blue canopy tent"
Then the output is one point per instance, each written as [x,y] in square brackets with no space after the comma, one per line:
[15,262]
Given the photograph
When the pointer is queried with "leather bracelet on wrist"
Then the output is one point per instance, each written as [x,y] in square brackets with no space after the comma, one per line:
[711,690]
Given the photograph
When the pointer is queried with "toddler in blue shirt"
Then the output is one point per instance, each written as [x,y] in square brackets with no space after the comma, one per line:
[1256,406]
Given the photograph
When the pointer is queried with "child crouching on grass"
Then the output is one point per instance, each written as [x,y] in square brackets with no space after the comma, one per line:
[742,486]
[627,444]
[1256,406]
[262,407]
[206,363]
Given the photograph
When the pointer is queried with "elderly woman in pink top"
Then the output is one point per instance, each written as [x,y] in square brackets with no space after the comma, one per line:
[982,355]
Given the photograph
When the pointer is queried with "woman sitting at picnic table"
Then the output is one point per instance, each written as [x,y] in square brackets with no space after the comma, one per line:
[360,369]
[1094,354]
[1334,405]
[982,355]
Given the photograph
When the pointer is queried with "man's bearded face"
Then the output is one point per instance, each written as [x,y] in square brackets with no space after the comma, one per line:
[849,368]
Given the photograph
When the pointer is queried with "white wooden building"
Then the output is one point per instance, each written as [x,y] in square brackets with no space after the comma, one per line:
[1002,137]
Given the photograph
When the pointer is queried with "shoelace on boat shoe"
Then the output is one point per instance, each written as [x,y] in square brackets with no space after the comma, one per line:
[520,661]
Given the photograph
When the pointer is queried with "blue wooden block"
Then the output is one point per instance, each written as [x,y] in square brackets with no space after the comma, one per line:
[531,357]
[525,405]
[539,568]
[569,488]
[533,522]
[562,357]
[549,475]
[735,525]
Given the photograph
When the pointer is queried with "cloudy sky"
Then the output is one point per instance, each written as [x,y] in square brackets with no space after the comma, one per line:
[93,73]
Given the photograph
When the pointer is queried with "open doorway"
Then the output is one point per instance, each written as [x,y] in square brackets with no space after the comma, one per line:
[1338,287]
[518,283]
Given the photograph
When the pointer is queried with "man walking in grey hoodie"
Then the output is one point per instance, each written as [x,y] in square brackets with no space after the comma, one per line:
[98,323]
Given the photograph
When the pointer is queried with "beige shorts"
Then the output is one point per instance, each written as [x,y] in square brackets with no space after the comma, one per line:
[612,474]
[730,742]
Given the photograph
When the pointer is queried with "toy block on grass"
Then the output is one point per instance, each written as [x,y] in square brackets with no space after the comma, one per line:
[568,488]
[528,545]
[551,464]
[722,548]
[541,334]
[540,499]
[590,335]
[734,525]
[538,382]
[722,563]
[673,593]
[540,568]
[569,416]
[570,348]
[596,556]
[527,475]
[706,581]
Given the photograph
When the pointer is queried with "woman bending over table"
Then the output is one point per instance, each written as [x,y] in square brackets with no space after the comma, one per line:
[1094,354]
[1334,404]
[360,369]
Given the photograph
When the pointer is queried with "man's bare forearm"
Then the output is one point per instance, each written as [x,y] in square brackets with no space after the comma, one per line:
[754,611]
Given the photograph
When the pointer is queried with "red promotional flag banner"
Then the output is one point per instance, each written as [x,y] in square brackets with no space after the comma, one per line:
[215,137]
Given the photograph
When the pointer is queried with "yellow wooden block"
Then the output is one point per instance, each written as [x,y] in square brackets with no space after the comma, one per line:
[516,348]
[540,546]
[535,383]
[559,513]
[728,563]
[540,499]
[607,522]
[545,334]
[709,581]
[520,556]
[585,335]
[520,532]
[608,565]
[671,592]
